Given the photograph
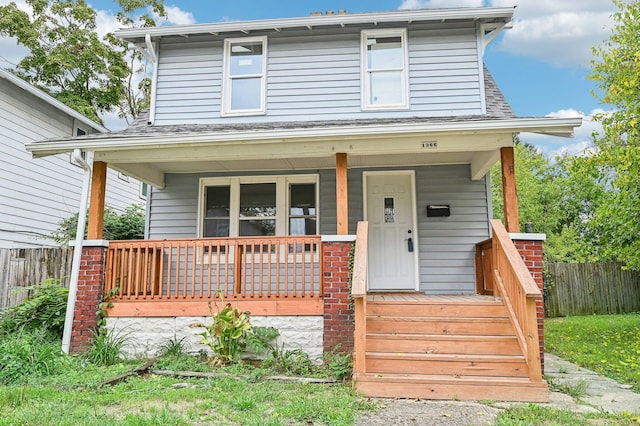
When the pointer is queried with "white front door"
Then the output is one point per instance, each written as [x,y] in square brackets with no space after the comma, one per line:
[390,211]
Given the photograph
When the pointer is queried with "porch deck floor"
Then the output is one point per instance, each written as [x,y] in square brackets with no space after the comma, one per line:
[421,297]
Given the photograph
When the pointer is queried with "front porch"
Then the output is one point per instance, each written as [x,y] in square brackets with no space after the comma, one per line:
[405,344]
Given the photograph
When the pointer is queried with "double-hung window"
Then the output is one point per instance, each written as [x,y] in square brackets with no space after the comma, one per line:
[258,206]
[243,90]
[384,69]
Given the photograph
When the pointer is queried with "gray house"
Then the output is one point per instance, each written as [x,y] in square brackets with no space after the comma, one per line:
[36,194]
[271,144]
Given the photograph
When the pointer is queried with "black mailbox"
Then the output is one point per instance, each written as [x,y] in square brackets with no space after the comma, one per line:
[441,210]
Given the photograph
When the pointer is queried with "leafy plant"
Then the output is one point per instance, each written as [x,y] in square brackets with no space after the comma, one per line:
[294,361]
[128,225]
[226,336]
[261,339]
[339,363]
[44,309]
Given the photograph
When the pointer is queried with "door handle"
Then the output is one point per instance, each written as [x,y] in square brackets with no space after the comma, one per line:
[409,242]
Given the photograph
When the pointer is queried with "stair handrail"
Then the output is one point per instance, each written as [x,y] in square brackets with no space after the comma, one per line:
[359,296]
[515,285]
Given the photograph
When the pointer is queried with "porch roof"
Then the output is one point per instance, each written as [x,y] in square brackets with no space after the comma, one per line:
[147,152]
[150,153]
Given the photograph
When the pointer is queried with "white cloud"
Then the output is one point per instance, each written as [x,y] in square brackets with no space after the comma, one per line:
[177,16]
[559,32]
[581,143]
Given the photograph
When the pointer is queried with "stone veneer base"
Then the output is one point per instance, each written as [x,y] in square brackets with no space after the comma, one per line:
[146,335]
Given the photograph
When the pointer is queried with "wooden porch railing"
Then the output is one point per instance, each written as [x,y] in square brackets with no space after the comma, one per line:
[515,285]
[359,295]
[199,269]
[484,267]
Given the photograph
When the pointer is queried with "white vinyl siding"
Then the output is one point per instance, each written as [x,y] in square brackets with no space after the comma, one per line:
[318,77]
[446,244]
[36,194]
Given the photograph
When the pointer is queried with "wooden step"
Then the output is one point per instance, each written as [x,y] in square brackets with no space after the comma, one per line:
[440,325]
[446,364]
[443,344]
[436,309]
[446,387]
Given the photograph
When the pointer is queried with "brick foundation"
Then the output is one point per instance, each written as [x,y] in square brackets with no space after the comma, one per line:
[90,294]
[338,317]
[531,252]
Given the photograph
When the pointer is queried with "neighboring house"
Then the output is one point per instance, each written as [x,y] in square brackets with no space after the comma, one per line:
[268,141]
[37,194]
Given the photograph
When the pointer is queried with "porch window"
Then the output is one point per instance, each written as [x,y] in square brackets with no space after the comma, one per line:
[243,91]
[258,206]
[384,69]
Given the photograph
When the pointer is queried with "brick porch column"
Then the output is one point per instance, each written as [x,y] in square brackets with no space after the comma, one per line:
[530,248]
[338,316]
[90,293]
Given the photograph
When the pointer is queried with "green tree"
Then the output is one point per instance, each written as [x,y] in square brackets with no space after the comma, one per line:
[616,162]
[128,225]
[69,60]
[558,198]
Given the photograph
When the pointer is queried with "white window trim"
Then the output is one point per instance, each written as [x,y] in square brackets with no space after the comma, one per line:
[282,199]
[226,110]
[365,82]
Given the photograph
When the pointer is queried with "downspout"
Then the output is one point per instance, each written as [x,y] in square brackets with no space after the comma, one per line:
[77,250]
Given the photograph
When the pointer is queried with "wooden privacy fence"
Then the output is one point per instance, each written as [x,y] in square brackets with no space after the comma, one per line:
[590,288]
[25,267]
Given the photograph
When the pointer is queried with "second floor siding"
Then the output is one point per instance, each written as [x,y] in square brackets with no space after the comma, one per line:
[317,75]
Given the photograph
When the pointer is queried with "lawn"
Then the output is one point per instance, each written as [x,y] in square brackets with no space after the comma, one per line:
[607,344]
[76,396]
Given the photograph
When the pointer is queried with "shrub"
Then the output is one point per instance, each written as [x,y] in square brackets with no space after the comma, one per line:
[128,225]
[44,309]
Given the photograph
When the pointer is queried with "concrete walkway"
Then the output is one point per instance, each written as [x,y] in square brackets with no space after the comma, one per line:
[601,394]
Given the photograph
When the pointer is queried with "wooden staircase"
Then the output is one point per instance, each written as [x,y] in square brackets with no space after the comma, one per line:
[432,349]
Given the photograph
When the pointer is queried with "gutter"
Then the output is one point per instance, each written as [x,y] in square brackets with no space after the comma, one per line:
[495,15]
[77,250]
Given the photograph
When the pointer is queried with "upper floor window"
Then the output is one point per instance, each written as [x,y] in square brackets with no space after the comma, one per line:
[384,69]
[243,90]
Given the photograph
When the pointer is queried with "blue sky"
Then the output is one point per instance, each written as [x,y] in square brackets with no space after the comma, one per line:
[541,64]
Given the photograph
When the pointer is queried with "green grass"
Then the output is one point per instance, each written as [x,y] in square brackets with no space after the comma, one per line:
[533,414]
[156,400]
[55,389]
[607,344]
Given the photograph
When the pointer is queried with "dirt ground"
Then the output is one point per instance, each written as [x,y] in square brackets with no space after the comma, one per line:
[409,412]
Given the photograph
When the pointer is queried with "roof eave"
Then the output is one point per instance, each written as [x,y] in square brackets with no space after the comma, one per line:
[552,126]
[51,101]
[484,14]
